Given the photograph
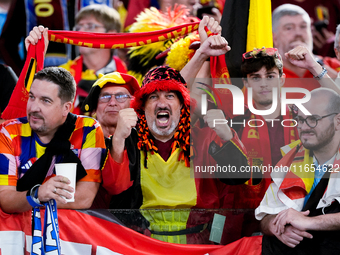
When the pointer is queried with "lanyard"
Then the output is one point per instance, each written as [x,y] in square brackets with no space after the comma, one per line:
[49,242]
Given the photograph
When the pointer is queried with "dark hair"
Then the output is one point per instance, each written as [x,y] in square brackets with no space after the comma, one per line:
[253,65]
[60,77]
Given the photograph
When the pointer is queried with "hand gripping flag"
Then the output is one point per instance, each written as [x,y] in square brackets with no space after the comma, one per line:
[16,107]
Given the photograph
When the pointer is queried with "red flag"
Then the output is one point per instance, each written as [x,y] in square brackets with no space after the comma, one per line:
[35,57]
[99,232]
[16,107]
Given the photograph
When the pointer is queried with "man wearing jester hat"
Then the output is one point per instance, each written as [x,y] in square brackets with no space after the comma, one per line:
[159,150]
[159,175]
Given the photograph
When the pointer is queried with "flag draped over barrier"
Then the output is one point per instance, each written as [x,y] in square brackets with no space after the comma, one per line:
[35,57]
[97,232]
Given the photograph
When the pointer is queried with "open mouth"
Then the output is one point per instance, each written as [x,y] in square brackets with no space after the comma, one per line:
[163,118]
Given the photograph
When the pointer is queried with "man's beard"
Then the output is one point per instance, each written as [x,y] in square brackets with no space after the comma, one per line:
[266,102]
[322,140]
[161,132]
[40,129]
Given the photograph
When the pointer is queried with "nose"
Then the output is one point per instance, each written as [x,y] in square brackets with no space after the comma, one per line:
[299,30]
[162,101]
[34,106]
[263,82]
[112,101]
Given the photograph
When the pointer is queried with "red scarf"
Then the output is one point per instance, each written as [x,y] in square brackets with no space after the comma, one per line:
[256,140]
[120,40]
[35,56]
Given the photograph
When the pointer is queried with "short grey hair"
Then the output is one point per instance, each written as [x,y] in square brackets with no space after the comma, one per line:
[287,10]
[333,105]
[336,40]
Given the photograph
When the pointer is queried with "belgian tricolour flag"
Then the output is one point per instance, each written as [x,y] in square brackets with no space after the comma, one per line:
[245,24]
[16,107]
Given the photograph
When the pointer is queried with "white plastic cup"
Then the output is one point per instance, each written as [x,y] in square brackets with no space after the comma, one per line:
[68,170]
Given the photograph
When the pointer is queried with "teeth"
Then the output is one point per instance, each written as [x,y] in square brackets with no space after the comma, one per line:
[162,113]
[162,121]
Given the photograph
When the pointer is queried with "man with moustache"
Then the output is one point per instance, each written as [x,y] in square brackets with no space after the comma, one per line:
[300,211]
[160,171]
[292,28]
[30,146]
[159,175]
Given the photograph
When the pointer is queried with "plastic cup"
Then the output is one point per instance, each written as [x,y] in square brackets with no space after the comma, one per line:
[68,170]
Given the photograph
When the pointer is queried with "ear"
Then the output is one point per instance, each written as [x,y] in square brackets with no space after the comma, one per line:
[67,107]
[275,41]
[337,53]
[337,122]
[282,80]
[245,82]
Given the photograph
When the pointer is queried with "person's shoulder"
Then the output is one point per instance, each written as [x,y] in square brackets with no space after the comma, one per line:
[86,121]
[334,63]
[14,127]
[17,121]
[70,63]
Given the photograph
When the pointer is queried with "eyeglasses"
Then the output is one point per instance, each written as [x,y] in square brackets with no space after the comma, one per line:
[311,121]
[87,27]
[273,52]
[120,97]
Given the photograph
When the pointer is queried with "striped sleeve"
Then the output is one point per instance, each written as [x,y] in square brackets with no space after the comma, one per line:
[92,149]
[8,165]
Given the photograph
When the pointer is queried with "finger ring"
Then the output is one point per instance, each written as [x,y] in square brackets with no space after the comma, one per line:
[55,190]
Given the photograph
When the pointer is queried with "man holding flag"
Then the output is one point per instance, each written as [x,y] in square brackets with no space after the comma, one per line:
[30,146]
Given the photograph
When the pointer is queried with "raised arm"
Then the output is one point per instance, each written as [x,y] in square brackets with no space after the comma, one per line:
[127,119]
[214,45]
[302,57]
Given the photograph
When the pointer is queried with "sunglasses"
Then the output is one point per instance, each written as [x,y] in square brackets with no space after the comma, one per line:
[89,27]
[272,52]
[120,97]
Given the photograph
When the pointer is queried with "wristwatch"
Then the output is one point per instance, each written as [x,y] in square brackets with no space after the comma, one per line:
[32,196]
[322,74]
